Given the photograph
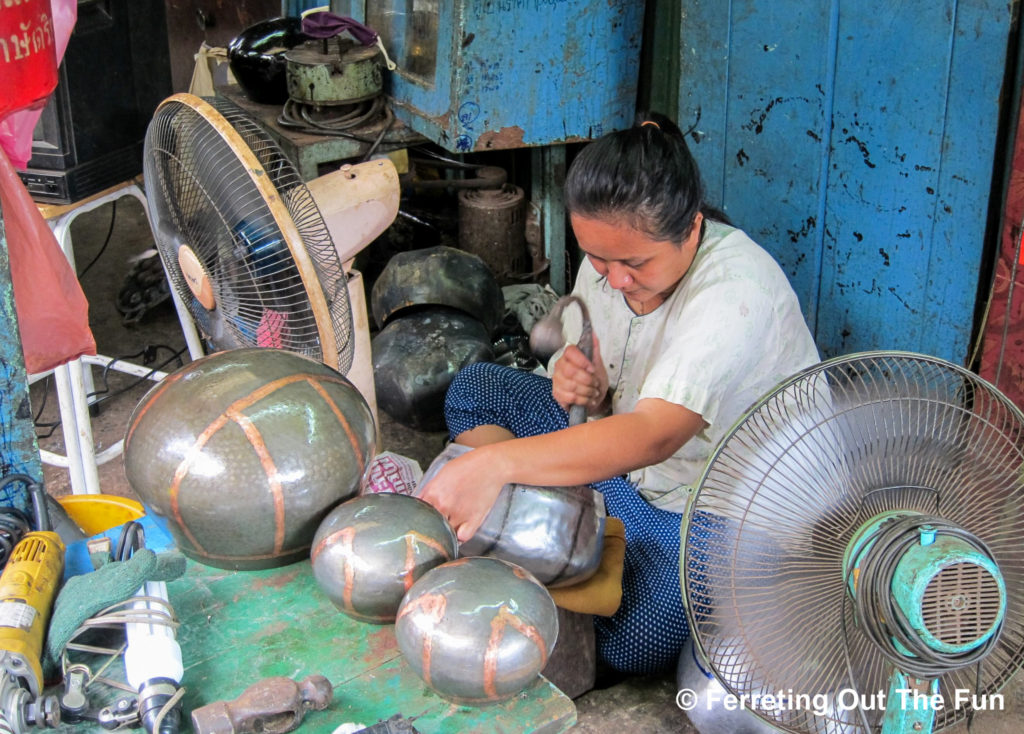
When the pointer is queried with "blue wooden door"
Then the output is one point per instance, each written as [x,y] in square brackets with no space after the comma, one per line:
[855,141]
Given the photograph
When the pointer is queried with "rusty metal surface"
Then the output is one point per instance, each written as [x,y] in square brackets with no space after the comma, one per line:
[334,71]
[492,225]
[477,76]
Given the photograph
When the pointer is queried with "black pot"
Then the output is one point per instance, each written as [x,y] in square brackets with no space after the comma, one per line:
[256,58]
[415,358]
[438,276]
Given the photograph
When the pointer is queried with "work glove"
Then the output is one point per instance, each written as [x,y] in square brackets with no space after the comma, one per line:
[85,595]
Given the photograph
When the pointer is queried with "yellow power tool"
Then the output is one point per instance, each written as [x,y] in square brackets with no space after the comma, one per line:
[28,586]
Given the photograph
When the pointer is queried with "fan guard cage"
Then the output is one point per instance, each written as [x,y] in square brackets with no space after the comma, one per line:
[835,445]
[219,185]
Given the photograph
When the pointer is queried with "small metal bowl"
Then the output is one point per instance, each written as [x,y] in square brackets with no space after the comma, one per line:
[368,552]
[477,630]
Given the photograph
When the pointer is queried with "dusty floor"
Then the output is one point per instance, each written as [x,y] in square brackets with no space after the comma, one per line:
[638,704]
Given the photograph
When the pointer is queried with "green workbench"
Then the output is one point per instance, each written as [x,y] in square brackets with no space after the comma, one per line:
[240,627]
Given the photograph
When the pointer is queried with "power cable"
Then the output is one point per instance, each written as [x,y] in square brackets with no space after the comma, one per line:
[106,241]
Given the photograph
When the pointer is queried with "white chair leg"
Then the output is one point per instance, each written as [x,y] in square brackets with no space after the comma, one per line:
[74,379]
[72,438]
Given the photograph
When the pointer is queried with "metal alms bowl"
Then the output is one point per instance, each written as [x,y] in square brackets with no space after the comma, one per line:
[438,276]
[477,630]
[710,714]
[415,358]
[245,451]
[555,533]
[368,552]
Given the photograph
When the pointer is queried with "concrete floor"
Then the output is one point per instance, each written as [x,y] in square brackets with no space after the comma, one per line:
[635,704]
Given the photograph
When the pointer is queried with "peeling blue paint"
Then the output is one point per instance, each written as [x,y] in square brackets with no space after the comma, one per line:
[535,72]
[869,121]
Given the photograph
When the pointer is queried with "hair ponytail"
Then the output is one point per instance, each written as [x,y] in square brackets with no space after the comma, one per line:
[645,175]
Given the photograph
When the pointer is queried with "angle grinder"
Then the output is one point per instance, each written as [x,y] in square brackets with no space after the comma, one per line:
[28,586]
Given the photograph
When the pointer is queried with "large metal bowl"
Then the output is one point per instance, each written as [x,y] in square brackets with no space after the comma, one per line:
[245,451]
[555,533]
[710,712]
[256,58]
[415,359]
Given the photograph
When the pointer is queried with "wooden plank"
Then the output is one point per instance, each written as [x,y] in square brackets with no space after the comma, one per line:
[885,146]
[788,47]
[704,57]
[891,277]
[770,132]
[965,178]
[854,141]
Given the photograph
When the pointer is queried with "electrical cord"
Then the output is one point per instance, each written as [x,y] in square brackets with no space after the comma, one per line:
[106,240]
[130,540]
[15,523]
[155,611]
[104,394]
[37,423]
[448,162]
[874,599]
[148,354]
[299,116]
[389,120]
[117,616]
[882,619]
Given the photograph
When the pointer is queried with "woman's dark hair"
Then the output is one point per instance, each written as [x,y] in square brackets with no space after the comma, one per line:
[644,175]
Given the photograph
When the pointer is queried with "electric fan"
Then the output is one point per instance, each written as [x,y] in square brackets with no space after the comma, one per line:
[245,241]
[853,558]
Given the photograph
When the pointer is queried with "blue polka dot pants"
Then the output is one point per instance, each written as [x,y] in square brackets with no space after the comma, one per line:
[649,629]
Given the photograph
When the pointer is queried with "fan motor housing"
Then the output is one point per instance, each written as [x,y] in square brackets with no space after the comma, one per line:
[953,596]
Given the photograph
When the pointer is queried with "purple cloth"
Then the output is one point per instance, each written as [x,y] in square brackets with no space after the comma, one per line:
[328,25]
